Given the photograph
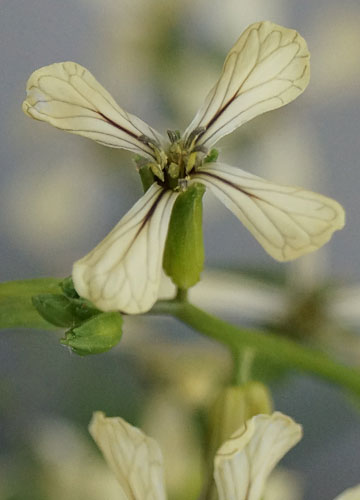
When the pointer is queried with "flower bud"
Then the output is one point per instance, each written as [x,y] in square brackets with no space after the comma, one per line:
[184,250]
[63,311]
[98,334]
[233,407]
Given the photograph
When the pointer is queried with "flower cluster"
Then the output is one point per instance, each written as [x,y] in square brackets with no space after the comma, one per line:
[267,68]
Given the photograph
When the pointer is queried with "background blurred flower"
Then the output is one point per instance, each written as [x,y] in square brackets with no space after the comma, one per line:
[63,466]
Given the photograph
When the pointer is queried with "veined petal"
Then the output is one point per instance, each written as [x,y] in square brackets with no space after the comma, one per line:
[123,272]
[135,459]
[287,221]
[67,96]
[350,494]
[267,68]
[243,463]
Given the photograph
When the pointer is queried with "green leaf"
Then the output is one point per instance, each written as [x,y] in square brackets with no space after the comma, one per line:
[96,335]
[184,249]
[16,308]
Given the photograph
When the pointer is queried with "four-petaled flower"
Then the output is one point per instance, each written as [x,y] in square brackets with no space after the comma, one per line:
[267,68]
[241,465]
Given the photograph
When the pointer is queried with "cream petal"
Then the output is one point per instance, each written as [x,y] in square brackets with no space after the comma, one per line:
[135,459]
[350,494]
[267,68]
[287,221]
[67,96]
[243,463]
[123,272]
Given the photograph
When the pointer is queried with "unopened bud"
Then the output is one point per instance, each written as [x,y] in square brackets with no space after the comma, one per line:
[234,406]
[63,311]
[96,335]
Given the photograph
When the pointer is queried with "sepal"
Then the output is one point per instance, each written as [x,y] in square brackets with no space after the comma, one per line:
[67,286]
[233,407]
[184,249]
[96,335]
[63,311]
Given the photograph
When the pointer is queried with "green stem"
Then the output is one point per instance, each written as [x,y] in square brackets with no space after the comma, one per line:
[17,310]
[267,345]
[16,307]
[181,295]
[243,362]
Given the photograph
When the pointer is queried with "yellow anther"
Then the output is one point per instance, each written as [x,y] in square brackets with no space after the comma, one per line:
[174,170]
[191,162]
[156,170]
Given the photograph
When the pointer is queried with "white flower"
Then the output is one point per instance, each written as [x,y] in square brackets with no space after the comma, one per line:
[267,68]
[242,465]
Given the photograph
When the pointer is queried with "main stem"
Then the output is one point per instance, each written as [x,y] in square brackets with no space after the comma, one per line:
[266,345]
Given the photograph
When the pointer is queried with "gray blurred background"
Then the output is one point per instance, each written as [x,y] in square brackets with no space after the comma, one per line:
[61,194]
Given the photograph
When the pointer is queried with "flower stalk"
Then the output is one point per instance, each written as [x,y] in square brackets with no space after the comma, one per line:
[267,345]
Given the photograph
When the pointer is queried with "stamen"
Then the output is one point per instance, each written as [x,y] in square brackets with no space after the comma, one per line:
[194,135]
[174,135]
[201,149]
[148,141]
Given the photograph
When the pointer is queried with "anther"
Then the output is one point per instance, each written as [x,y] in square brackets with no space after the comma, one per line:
[174,135]
[148,141]
[200,149]
[198,131]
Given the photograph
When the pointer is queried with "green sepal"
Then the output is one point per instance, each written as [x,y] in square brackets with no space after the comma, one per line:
[229,413]
[67,286]
[233,407]
[63,311]
[146,176]
[184,249]
[212,156]
[96,335]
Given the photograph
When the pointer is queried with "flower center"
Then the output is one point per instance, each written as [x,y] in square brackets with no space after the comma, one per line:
[172,166]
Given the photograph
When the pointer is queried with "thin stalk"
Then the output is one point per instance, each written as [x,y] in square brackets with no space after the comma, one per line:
[181,295]
[265,344]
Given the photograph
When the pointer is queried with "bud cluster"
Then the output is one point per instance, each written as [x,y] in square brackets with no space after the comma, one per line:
[91,331]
